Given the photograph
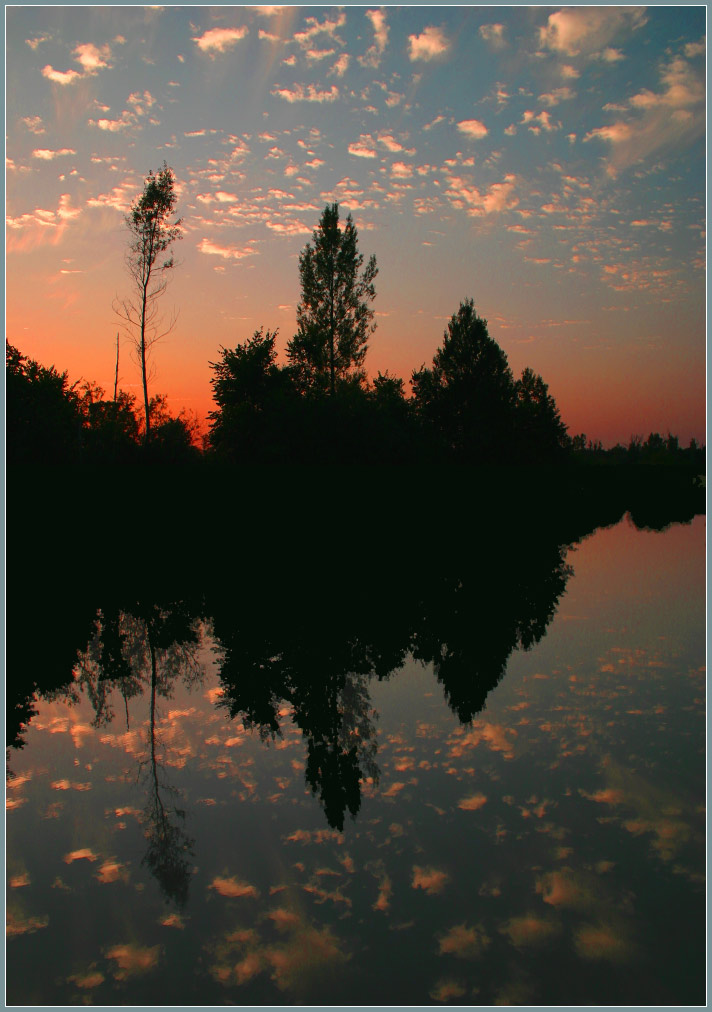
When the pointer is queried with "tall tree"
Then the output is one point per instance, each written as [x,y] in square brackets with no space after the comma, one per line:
[334,318]
[148,261]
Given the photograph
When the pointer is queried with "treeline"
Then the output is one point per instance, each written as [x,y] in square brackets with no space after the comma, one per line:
[50,421]
[318,407]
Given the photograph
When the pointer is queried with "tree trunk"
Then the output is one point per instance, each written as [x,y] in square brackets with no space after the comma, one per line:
[143,367]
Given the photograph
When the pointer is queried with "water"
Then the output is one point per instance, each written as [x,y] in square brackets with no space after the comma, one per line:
[181,830]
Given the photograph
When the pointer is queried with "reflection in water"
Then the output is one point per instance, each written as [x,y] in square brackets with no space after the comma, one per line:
[129,654]
[513,871]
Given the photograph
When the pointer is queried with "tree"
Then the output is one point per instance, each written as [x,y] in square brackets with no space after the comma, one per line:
[334,318]
[252,394]
[468,394]
[151,235]
[540,434]
[43,414]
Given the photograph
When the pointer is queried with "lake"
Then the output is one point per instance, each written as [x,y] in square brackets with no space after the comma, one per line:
[421,784]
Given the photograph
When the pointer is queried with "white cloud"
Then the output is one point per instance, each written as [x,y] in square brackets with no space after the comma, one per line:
[219,40]
[472,128]
[429,45]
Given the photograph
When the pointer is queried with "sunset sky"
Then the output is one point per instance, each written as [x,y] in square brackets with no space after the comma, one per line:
[549,163]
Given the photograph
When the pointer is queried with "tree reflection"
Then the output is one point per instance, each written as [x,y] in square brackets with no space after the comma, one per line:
[300,635]
[145,650]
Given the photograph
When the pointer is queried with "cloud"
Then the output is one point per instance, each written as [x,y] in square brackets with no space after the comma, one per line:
[430,880]
[340,67]
[34,124]
[45,154]
[472,803]
[529,930]
[669,119]
[85,854]
[557,95]
[585,31]
[233,888]
[499,197]
[372,57]
[91,57]
[34,43]
[219,40]
[429,45]
[364,147]
[494,35]
[537,123]
[61,76]
[132,960]
[464,942]
[309,94]
[472,128]
[329,26]
[226,252]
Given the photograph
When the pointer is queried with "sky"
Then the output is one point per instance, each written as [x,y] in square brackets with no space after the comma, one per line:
[548,163]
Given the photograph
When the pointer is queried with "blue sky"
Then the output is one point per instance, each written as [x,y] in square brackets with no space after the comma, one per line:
[548,162]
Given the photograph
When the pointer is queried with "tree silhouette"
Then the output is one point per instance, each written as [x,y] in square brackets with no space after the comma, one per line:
[334,318]
[43,415]
[540,434]
[468,393]
[151,235]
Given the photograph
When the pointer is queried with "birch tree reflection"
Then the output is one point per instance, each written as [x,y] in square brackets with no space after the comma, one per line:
[132,653]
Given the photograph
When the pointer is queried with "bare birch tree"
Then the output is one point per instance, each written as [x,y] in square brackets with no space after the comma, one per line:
[148,261]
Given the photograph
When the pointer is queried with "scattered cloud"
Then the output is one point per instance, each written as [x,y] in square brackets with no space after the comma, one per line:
[340,67]
[226,252]
[61,76]
[364,147]
[430,880]
[587,31]
[309,94]
[431,44]
[91,57]
[374,53]
[47,155]
[219,40]
[494,35]
[34,124]
[233,888]
[464,942]
[472,128]
[132,960]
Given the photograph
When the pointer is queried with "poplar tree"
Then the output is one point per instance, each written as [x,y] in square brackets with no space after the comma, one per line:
[334,317]
[148,262]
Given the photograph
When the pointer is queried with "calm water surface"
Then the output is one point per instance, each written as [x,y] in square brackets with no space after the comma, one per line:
[162,851]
